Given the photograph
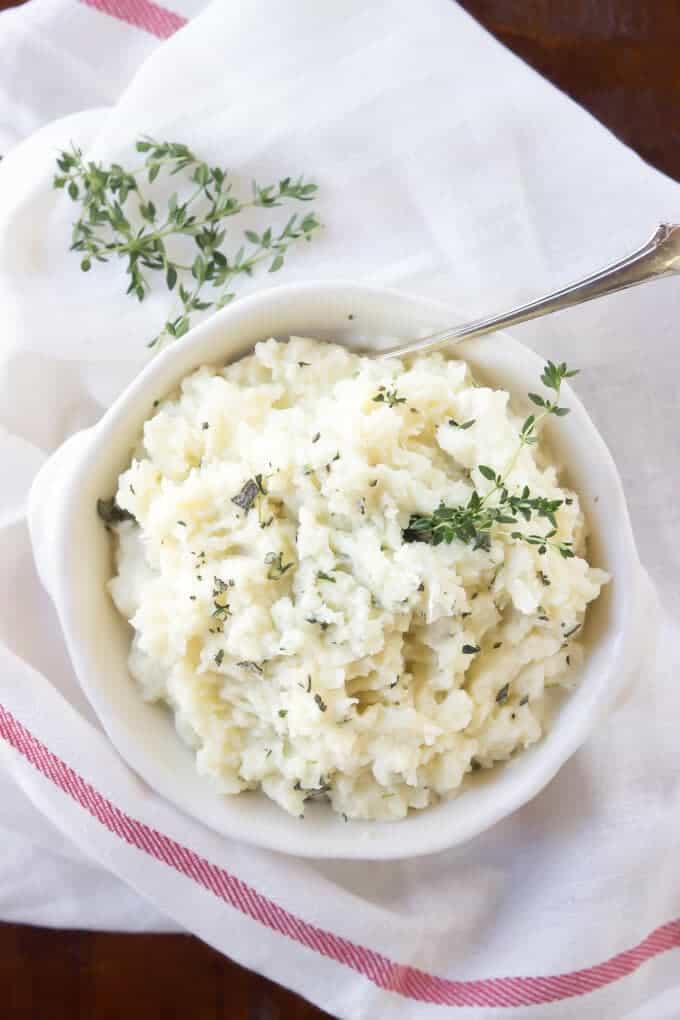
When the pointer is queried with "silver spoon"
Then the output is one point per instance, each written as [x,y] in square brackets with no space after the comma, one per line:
[660,256]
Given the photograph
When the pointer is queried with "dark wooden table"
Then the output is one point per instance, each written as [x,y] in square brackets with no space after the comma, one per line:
[619,58]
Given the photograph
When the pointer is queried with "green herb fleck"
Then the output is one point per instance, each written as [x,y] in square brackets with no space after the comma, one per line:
[322,623]
[246,497]
[465,425]
[321,576]
[390,397]
[248,664]
[277,568]
[221,608]
[502,695]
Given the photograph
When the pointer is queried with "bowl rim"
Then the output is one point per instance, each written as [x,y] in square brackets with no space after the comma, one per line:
[89,448]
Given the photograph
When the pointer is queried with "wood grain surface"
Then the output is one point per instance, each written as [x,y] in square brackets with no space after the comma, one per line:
[618,58]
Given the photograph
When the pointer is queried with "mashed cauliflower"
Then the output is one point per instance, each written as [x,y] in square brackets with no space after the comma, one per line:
[304,647]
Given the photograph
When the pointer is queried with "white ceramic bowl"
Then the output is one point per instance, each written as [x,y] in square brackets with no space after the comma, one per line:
[75,562]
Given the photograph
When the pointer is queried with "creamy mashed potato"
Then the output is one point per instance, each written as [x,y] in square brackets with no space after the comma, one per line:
[304,647]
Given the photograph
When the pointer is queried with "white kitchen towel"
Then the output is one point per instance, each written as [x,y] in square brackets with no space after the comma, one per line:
[446,167]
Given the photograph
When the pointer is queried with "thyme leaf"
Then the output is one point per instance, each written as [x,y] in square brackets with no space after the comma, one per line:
[502,695]
[389,397]
[221,608]
[247,495]
[254,667]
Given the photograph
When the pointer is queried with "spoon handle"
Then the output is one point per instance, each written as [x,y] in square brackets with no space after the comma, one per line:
[660,256]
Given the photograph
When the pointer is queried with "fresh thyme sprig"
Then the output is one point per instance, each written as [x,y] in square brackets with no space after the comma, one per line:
[119,221]
[472,523]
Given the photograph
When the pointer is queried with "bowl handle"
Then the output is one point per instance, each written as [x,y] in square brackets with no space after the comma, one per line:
[45,501]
